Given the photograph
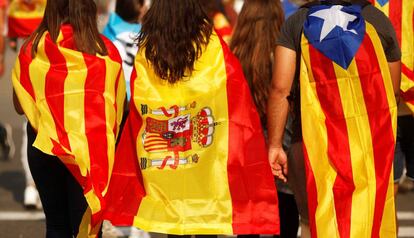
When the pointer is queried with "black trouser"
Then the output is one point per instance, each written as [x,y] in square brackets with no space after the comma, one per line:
[61,195]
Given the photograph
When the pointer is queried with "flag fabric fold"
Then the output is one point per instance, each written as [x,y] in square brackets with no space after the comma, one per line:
[23,18]
[192,157]
[75,103]
[401,14]
[349,126]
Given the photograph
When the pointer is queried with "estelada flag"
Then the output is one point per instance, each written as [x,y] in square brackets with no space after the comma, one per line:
[192,157]
[75,103]
[401,14]
[348,112]
[24,18]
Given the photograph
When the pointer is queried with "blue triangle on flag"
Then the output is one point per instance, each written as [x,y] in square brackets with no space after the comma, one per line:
[383,2]
[343,39]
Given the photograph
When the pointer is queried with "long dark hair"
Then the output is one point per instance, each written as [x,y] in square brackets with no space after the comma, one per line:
[81,15]
[173,34]
[127,9]
[253,42]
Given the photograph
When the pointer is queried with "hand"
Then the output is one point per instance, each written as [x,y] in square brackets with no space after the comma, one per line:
[278,163]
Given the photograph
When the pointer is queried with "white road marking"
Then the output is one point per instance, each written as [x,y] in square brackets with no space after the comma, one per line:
[405,216]
[21,216]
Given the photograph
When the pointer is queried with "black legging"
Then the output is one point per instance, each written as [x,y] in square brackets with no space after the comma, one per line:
[61,195]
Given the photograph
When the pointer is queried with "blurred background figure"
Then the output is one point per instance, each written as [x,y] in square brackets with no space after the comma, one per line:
[6,140]
[253,42]
[216,12]
[24,16]
[122,29]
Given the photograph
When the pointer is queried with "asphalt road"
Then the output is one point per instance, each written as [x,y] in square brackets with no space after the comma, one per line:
[15,221]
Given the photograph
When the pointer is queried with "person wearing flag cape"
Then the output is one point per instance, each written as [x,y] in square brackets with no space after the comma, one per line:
[192,157]
[68,81]
[401,15]
[339,63]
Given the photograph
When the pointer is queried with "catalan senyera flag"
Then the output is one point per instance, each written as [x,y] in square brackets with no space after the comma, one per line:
[349,114]
[24,18]
[200,158]
[75,103]
[401,14]
[222,26]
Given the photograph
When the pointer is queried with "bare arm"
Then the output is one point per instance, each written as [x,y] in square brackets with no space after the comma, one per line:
[278,106]
[395,70]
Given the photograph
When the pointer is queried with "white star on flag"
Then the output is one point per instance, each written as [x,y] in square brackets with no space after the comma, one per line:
[334,17]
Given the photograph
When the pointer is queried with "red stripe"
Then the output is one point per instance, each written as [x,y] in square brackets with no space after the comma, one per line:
[55,88]
[95,120]
[376,102]
[22,27]
[312,194]
[25,60]
[337,132]
[407,72]
[123,207]
[249,174]
[395,15]
[224,31]
[408,96]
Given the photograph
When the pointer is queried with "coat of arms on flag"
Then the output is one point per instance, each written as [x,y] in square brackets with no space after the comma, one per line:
[176,133]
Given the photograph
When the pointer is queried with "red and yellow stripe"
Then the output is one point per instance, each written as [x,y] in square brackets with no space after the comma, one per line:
[349,124]
[75,103]
[401,14]
[23,18]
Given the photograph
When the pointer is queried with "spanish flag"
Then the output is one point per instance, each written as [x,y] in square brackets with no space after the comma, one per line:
[401,14]
[192,157]
[24,17]
[349,125]
[75,103]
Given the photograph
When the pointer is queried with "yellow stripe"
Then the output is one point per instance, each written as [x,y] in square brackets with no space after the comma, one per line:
[163,209]
[93,202]
[385,9]
[26,101]
[38,70]
[113,117]
[74,116]
[316,141]
[120,99]
[361,150]
[16,12]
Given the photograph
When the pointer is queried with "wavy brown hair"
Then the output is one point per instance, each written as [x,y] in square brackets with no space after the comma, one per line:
[173,35]
[81,15]
[253,42]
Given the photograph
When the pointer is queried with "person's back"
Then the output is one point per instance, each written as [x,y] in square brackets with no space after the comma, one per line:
[346,114]
[68,82]
[195,132]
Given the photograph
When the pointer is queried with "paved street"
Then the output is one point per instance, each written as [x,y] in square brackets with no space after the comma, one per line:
[15,221]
